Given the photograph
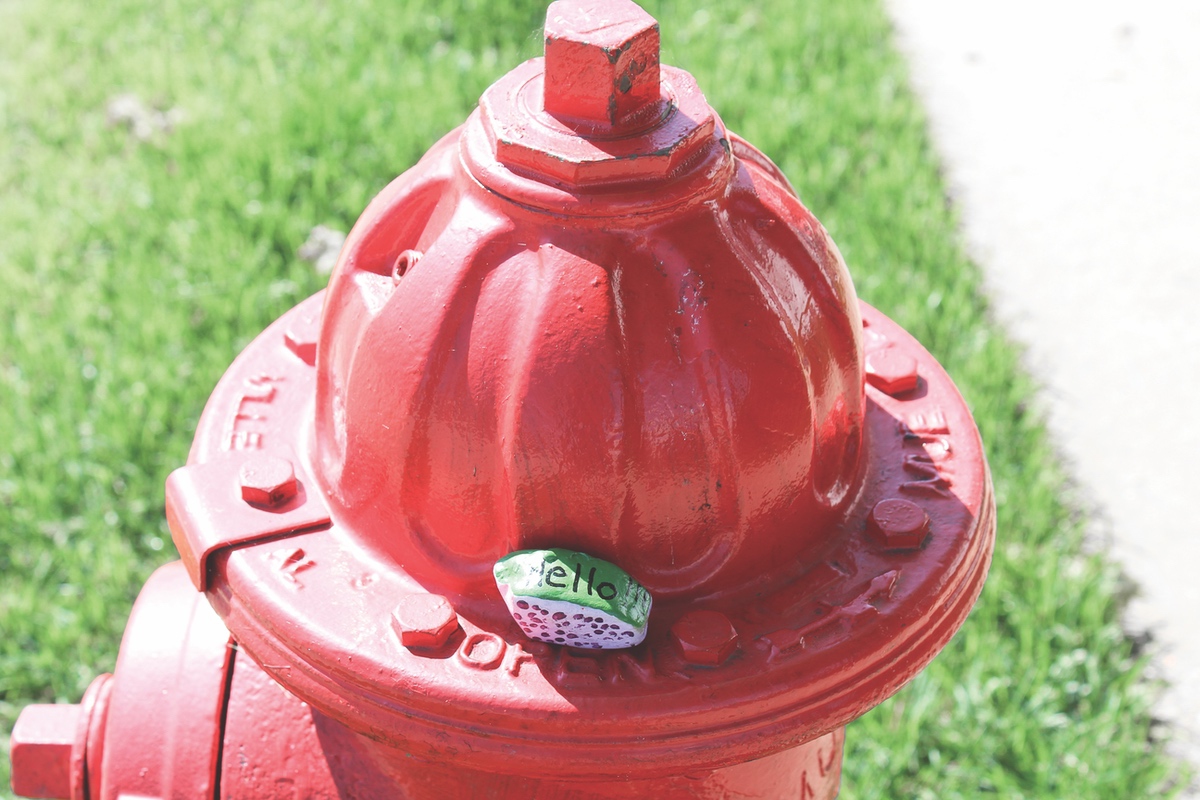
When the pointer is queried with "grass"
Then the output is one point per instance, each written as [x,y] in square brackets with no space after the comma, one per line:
[132,272]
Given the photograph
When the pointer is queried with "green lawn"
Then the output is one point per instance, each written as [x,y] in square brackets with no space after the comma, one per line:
[132,272]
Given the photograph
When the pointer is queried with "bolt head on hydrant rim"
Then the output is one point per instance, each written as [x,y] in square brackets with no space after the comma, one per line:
[705,637]
[595,324]
[267,481]
[424,620]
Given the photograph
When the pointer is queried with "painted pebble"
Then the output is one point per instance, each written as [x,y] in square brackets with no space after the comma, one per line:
[564,597]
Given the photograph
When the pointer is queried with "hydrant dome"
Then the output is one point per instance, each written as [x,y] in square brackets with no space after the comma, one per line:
[678,392]
[591,318]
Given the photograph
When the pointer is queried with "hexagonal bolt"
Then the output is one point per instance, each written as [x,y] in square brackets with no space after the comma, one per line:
[892,371]
[898,524]
[705,637]
[602,62]
[302,344]
[268,481]
[301,334]
[42,741]
[424,620]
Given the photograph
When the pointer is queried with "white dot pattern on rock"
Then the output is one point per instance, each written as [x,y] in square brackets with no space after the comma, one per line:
[564,622]
[568,598]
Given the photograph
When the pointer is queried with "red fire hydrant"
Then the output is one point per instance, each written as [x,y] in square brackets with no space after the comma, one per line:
[591,318]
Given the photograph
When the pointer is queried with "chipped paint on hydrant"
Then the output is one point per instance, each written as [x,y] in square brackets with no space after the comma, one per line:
[591,325]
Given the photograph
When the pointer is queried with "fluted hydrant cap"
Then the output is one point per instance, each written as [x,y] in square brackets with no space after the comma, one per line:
[677,391]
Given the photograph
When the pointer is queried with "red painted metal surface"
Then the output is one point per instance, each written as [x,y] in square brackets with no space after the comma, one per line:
[150,730]
[42,746]
[590,318]
[320,758]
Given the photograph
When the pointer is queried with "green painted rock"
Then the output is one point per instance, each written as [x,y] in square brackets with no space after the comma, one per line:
[564,597]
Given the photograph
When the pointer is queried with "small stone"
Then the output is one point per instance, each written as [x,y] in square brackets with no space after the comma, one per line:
[322,249]
[591,601]
[143,122]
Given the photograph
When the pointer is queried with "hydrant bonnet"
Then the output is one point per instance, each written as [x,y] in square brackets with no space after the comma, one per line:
[678,392]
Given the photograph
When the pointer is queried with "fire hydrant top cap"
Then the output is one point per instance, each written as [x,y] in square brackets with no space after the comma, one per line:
[597,114]
[678,393]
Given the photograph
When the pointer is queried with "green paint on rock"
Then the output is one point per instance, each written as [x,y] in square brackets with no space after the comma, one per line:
[575,577]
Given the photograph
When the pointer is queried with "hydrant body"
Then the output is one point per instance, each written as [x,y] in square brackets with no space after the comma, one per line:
[590,318]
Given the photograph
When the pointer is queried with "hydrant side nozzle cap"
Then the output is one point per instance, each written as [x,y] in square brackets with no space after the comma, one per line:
[602,62]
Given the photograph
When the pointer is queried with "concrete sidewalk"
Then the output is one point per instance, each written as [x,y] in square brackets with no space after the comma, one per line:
[1070,132]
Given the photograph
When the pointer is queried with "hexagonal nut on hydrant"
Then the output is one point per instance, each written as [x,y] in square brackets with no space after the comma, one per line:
[268,481]
[899,524]
[41,747]
[424,620]
[605,116]
[891,371]
[705,637]
[602,64]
